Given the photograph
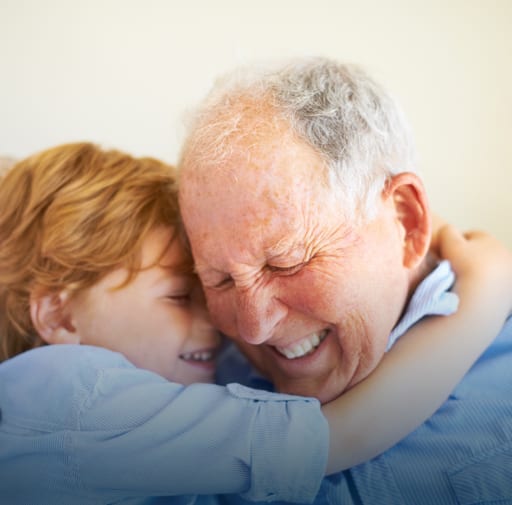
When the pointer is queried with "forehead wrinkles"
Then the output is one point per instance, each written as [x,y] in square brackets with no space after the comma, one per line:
[264,168]
[266,176]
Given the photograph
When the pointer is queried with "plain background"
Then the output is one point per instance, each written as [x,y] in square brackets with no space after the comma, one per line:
[124,73]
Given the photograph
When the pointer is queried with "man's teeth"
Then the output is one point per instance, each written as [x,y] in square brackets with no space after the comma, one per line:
[305,346]
[197,356]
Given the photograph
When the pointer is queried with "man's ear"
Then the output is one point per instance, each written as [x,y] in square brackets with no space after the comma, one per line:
[49,317]
[410,203]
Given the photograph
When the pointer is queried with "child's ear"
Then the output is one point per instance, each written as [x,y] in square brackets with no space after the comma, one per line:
[412,212]
[49,317]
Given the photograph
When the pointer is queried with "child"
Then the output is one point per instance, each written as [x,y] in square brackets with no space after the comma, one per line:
[91,255]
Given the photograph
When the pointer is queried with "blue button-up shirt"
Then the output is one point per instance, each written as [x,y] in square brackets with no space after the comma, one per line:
[462,454]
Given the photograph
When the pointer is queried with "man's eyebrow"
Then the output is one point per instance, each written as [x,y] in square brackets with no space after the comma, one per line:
[205,269]
[283,248]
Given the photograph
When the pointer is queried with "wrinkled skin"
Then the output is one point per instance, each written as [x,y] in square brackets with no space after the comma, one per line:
[279,263]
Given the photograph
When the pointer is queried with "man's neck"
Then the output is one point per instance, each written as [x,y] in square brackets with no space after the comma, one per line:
[428,264]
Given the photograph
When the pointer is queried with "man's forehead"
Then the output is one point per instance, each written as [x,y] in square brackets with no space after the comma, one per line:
[271,173]
[263,204]
[260,192]
[246,137]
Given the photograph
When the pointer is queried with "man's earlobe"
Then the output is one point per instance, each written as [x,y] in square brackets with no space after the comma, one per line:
[413,214]
[50,319]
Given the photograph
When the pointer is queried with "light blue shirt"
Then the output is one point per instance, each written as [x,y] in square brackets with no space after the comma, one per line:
[82,425]
[462,454]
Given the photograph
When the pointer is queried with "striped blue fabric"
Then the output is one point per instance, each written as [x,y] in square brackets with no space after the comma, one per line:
[430,298]
[82,425]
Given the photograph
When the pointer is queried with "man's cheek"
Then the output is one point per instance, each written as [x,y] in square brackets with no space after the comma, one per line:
[222,313]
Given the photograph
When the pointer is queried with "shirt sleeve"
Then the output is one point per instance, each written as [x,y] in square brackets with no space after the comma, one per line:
[92,425]
[142,434]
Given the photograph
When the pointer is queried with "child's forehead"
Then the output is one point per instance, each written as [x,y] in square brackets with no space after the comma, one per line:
[165,248]
[181,269]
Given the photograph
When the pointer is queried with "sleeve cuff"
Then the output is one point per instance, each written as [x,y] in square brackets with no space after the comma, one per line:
[290,444]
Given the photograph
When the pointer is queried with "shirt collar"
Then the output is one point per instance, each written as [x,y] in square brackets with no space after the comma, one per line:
[432,297]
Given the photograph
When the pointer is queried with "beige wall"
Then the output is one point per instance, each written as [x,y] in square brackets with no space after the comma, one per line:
[123,72]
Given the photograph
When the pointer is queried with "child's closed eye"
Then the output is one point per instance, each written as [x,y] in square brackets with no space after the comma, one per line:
[180,298]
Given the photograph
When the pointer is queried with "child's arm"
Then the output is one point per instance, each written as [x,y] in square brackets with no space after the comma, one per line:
[417,375]
[82,424]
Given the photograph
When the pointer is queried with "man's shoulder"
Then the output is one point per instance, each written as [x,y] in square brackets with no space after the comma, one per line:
[461,454]
[491,376]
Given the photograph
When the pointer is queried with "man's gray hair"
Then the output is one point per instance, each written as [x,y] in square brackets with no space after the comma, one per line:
[350,121]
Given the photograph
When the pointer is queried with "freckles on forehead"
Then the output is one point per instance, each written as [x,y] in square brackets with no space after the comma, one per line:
[261,194]
[238,220]
[248,189]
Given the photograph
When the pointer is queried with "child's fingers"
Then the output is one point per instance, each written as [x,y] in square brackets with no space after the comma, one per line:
[476,234]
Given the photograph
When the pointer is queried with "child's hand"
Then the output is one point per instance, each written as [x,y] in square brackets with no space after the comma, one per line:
[478,258]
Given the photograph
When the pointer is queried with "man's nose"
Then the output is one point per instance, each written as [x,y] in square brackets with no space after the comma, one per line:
[258,313]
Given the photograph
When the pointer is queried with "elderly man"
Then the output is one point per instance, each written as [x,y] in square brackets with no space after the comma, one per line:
[310,230]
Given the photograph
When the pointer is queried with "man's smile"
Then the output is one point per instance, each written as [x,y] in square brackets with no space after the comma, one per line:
[304,347]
